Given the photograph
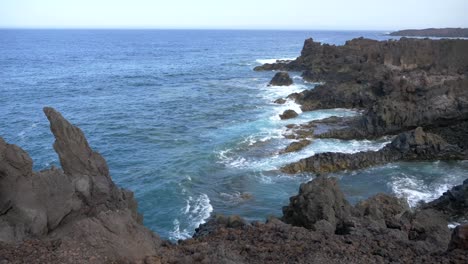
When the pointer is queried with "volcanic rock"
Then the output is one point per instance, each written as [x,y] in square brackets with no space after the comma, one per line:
[79,206]
[288,114]
[296,146]
[281,79]
[409,146]
[280,101]
[459,238]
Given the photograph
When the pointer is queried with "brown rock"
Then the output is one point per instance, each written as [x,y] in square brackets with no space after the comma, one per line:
[459,238]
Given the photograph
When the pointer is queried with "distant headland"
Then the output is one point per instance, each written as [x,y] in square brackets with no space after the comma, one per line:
[433,32]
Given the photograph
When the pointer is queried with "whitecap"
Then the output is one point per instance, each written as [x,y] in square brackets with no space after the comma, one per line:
[270,61]
[415,190]
[195,213]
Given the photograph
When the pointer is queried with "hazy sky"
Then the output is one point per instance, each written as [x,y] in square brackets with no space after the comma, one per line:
[238,14]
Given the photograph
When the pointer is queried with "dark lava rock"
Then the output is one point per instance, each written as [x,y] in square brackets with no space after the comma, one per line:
[281,79]
[409,146]
[318,201]
[288,114]
[280,101]
[296,146]
[453,203]
[401,84]
[80,207]
[433,32]
[459,238]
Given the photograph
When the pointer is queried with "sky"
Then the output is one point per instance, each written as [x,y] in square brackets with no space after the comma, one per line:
[238,14]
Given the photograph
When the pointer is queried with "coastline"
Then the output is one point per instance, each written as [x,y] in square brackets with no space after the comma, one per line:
[352,227]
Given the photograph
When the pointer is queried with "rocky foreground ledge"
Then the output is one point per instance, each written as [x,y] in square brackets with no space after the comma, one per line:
[78,215]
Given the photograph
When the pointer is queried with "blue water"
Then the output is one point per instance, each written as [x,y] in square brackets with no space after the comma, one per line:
[182,119]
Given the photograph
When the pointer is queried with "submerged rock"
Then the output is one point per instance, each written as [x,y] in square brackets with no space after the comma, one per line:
[288,114]
[281,79]
[280,101]
[296,146]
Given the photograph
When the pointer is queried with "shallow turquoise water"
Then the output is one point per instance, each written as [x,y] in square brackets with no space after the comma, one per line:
[182,119]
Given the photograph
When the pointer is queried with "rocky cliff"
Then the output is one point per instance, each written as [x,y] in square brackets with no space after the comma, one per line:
[398,85]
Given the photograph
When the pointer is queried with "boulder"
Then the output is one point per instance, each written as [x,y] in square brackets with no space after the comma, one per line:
[319,202]
[280,101]
[281,79]
[288,114]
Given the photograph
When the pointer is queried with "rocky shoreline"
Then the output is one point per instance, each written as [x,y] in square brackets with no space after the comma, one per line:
[78,215]
[401,87]
[433,32]
[414,90]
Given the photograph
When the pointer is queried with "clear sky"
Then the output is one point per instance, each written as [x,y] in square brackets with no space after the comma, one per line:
[238,14]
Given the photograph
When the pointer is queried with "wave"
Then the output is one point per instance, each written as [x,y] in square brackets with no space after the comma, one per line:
[237,159]
[196,211]
[270,61]
[415,190]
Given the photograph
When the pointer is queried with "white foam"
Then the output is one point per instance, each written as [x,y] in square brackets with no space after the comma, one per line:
[196,211]
[415,190]
[270,61]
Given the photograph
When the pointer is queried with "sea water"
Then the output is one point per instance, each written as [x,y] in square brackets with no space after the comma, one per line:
[184,121]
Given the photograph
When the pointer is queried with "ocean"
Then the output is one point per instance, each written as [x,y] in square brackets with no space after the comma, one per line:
[183,120]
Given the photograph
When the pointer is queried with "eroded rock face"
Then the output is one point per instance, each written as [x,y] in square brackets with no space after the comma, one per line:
[281,79]
[80,206]
[288,114]
[409,146]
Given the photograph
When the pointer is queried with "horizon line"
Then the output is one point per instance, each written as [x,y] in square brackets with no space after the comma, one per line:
[188,28]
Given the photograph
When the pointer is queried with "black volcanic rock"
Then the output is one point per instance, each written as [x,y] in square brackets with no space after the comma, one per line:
[296,146]
[453,203]
[281,79]
[400,84]
[409,146]
[319,202]
[280,101]
[433,32]
[288,114]
[459,238]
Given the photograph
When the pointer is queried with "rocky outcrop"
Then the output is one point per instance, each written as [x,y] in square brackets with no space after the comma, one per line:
[281,79]
[297,145]
[453,203]
[288,114]
[400,84]
[459,238]
[320,205]
[78,207]
[433,32]
[409,146]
